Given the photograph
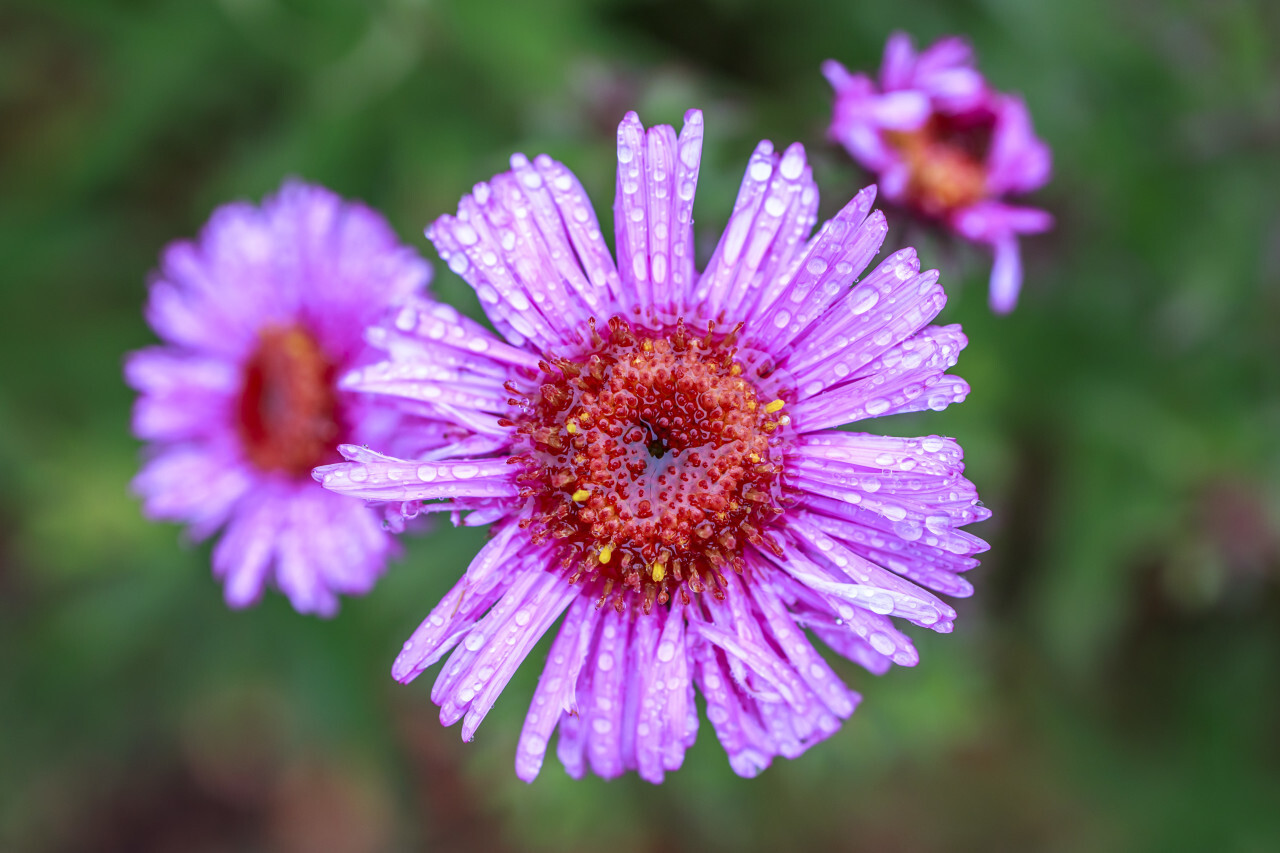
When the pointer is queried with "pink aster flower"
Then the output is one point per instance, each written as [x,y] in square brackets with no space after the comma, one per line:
[945,144]
[668,475]
[258,318]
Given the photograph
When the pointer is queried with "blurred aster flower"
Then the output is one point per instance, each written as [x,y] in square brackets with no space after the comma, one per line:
[942,142]
[669,477]
[259,316]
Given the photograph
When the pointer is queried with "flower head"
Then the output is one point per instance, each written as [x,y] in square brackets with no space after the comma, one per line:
[666,474]
[259,317]
[942,142]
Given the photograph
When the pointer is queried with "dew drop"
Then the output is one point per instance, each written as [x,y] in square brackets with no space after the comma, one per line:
[666,652]
[881,604]
[882,643]
[865,298]
[893,512]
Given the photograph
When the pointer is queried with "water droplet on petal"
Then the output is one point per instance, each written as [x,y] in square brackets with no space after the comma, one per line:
[882,643]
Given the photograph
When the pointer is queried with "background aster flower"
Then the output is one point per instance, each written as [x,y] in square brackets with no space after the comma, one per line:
[259,317]
[667,474]
[941,141]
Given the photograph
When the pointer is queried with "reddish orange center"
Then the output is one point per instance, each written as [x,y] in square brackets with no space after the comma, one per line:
[288,408]
[946,159]
[649,462]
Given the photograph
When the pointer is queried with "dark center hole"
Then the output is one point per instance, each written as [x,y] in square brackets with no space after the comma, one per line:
[656,445]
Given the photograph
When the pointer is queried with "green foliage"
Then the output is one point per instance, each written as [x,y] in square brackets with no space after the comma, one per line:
[1113,684]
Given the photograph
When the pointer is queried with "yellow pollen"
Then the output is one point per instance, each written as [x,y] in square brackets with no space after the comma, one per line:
[605,553]
[659,572]
[774,406]
[580,496]
[736,370]
[571,427]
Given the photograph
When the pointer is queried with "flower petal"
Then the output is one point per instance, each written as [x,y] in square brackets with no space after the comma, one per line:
[485,581]
[556,696]
[776,209]
[653,213]
[404,480]
[512,242]
[1017,161]
[832,261]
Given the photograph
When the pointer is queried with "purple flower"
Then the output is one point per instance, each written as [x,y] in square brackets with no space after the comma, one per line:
[259,316]
[666,471]
[942,142]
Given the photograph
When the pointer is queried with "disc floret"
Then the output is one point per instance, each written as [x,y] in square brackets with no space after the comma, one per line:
[288,413]
[946,159]
[651,461]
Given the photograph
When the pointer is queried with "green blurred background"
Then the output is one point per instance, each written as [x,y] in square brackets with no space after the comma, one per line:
[1115,683]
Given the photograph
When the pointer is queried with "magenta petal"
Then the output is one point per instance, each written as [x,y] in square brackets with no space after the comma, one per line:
[556,693]
[775,210]
[1006,275]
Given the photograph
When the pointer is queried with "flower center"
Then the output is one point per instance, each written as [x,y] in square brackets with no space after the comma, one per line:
[288,408]
[947,161]
[650,462]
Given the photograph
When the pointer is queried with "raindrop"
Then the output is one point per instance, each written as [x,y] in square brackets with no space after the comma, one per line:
[882,643]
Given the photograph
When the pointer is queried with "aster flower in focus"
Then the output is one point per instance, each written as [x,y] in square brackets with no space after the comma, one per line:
[258,318]
[945,144]
[667,473]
